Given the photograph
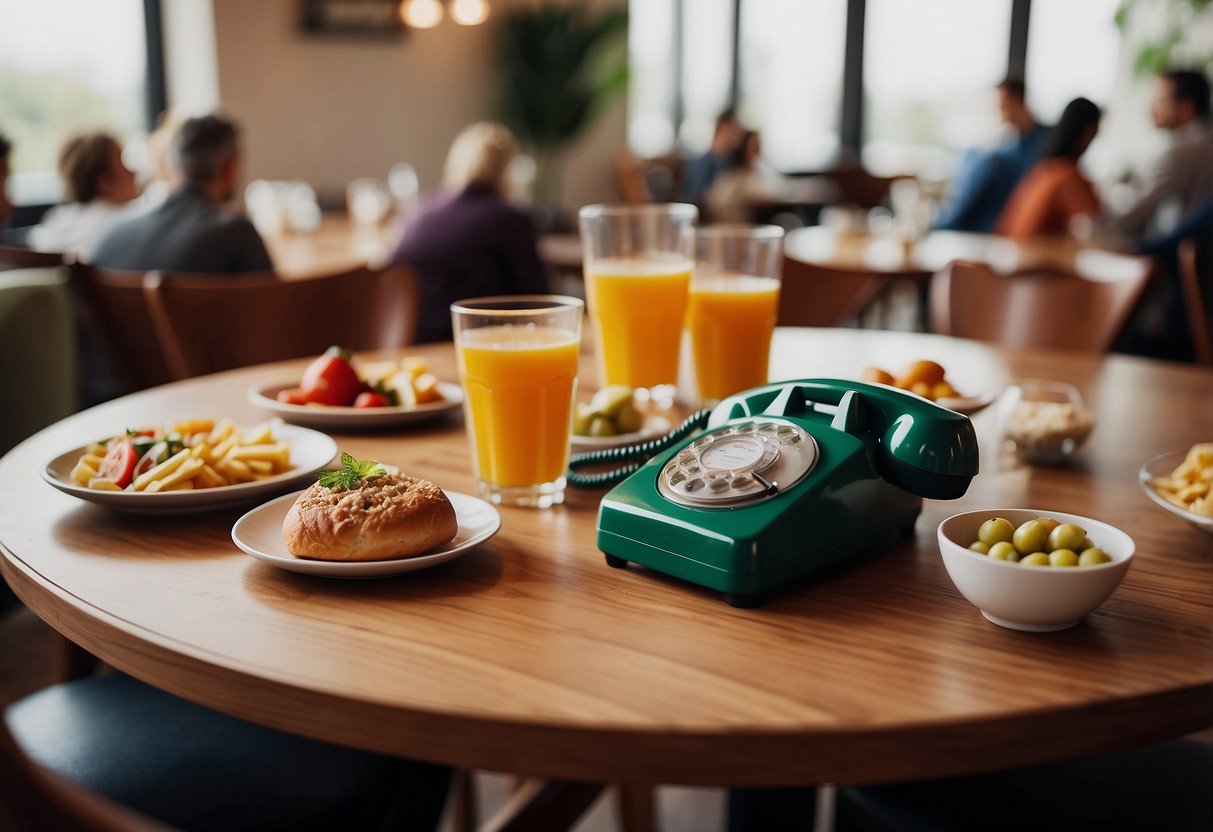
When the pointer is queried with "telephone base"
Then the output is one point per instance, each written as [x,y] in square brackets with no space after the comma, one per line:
[616,562]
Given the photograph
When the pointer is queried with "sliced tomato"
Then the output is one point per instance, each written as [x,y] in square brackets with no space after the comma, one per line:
[119,463]
[370,398]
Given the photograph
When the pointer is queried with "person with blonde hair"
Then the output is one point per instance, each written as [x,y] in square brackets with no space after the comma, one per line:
[100,188]
[468,239]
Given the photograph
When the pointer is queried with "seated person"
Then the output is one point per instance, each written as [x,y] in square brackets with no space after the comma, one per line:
[699,173]
[191,231]
[987,178]
[1055,191]
[468,240]
[738,185]
[99,188]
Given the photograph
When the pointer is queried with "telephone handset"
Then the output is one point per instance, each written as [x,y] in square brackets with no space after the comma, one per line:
[785,479]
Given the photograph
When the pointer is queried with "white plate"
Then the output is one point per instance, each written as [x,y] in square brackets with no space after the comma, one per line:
[259,533]
[1162,466]
[654,427]
[355,418]
[310,451]
[968,405]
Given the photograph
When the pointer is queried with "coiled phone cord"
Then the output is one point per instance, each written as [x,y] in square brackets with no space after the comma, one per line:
[640,452]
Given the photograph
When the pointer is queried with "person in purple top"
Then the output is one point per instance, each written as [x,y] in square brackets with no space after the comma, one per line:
[467,240]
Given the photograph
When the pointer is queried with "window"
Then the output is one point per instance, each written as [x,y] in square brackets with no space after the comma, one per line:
[67,65]
[791,61]
[653,77]
[930,67]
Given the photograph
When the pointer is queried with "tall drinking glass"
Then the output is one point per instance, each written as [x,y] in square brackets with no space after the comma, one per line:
[734,300]
[638,263]
[518,364]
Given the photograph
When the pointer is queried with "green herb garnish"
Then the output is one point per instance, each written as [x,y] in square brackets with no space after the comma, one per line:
[351,472]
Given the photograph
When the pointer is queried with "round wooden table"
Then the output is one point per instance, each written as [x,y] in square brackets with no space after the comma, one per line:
[531,655]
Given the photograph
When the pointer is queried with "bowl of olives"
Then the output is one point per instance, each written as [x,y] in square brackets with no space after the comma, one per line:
[1032,570]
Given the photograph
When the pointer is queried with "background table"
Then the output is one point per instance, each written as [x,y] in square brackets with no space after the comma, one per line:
[530,655]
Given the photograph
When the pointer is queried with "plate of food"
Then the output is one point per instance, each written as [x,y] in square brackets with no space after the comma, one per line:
[365,521]
[929,380]
[191,466]
[337,391]
[612,419]
[1182,483]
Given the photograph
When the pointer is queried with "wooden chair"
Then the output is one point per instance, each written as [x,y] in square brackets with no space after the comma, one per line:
[207,324]
[1196,302]
[1081,310]
[17,257]
[114,311]
[816,296]
[856,186]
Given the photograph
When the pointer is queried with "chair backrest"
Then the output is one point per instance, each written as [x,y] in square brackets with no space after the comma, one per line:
[1084,309]
[209,324]
[856,186]
[33,799]
[17,257]
[114,310]
[1196,284]
[816,296]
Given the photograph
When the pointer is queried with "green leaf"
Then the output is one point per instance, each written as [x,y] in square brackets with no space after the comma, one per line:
[352,471]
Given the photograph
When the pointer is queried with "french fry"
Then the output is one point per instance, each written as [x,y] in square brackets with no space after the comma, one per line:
[164,468]
[184,485]
[103,484]
[208,477]
[92,460]
[82,473]
[221,431]
[260,466]
[234,470]
[278,454]
[188,469]
[1189,485]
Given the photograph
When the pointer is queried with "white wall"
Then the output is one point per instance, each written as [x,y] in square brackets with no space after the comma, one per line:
[328,110]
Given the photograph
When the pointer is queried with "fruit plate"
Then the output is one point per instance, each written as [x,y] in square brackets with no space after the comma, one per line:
[310,450]
[1161,467]
[259,533]
[968,405]
[654,427]
[356,418]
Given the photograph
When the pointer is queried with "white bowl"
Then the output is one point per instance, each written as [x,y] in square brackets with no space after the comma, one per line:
[1034,599]
[1162,466]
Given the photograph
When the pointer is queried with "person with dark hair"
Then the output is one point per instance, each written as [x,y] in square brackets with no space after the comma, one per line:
[1183,176]
[6,207]
[1055,192]
[99,189]
[699,173]
[191,231]
[986,179]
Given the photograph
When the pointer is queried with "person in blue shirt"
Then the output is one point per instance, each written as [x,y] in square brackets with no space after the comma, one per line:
[699,173]
[986,178]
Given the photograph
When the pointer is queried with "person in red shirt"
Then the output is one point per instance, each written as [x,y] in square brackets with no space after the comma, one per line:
[1055,191]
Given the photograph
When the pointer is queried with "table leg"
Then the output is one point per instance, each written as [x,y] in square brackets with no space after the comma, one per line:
[636,807]
[544,806]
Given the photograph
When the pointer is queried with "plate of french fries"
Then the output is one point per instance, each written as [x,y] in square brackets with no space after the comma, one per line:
[195,465]
[1182,483]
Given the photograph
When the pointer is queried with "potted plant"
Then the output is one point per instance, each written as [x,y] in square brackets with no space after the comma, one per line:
[558,66]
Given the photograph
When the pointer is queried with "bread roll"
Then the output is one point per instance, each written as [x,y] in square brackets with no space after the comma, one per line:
[384,517]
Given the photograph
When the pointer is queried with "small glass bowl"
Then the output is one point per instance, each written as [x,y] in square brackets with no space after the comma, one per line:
[1044,422]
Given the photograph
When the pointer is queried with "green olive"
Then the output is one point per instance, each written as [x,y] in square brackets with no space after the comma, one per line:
[1049,523]
[1036,559]
[1067,536]
[1093,557]
[1002,550]
[1063,557]
[601,426]
[979,547]
[1087,543]
[610,400]
[995,530]
[582,418]
[1030,537]
[629,419]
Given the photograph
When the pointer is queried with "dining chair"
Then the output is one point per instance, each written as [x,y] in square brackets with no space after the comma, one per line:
[818,296]
[115,315]
[112,753]
[1082,309]
[205,325]
[1196,285]
[19,257]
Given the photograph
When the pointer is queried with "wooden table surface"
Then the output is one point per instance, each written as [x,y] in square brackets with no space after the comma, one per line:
[918,259]
[531,655]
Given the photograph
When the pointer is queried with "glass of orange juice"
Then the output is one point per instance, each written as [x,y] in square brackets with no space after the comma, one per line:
[734,300]
[638,263]
[518,363]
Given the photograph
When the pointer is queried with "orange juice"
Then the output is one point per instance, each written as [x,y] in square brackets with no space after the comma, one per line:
[731,318]
[520,381]
[637,305]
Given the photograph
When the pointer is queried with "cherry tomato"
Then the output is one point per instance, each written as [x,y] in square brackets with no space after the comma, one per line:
[292,395]
[331,380]
[119,463]
[372,399]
